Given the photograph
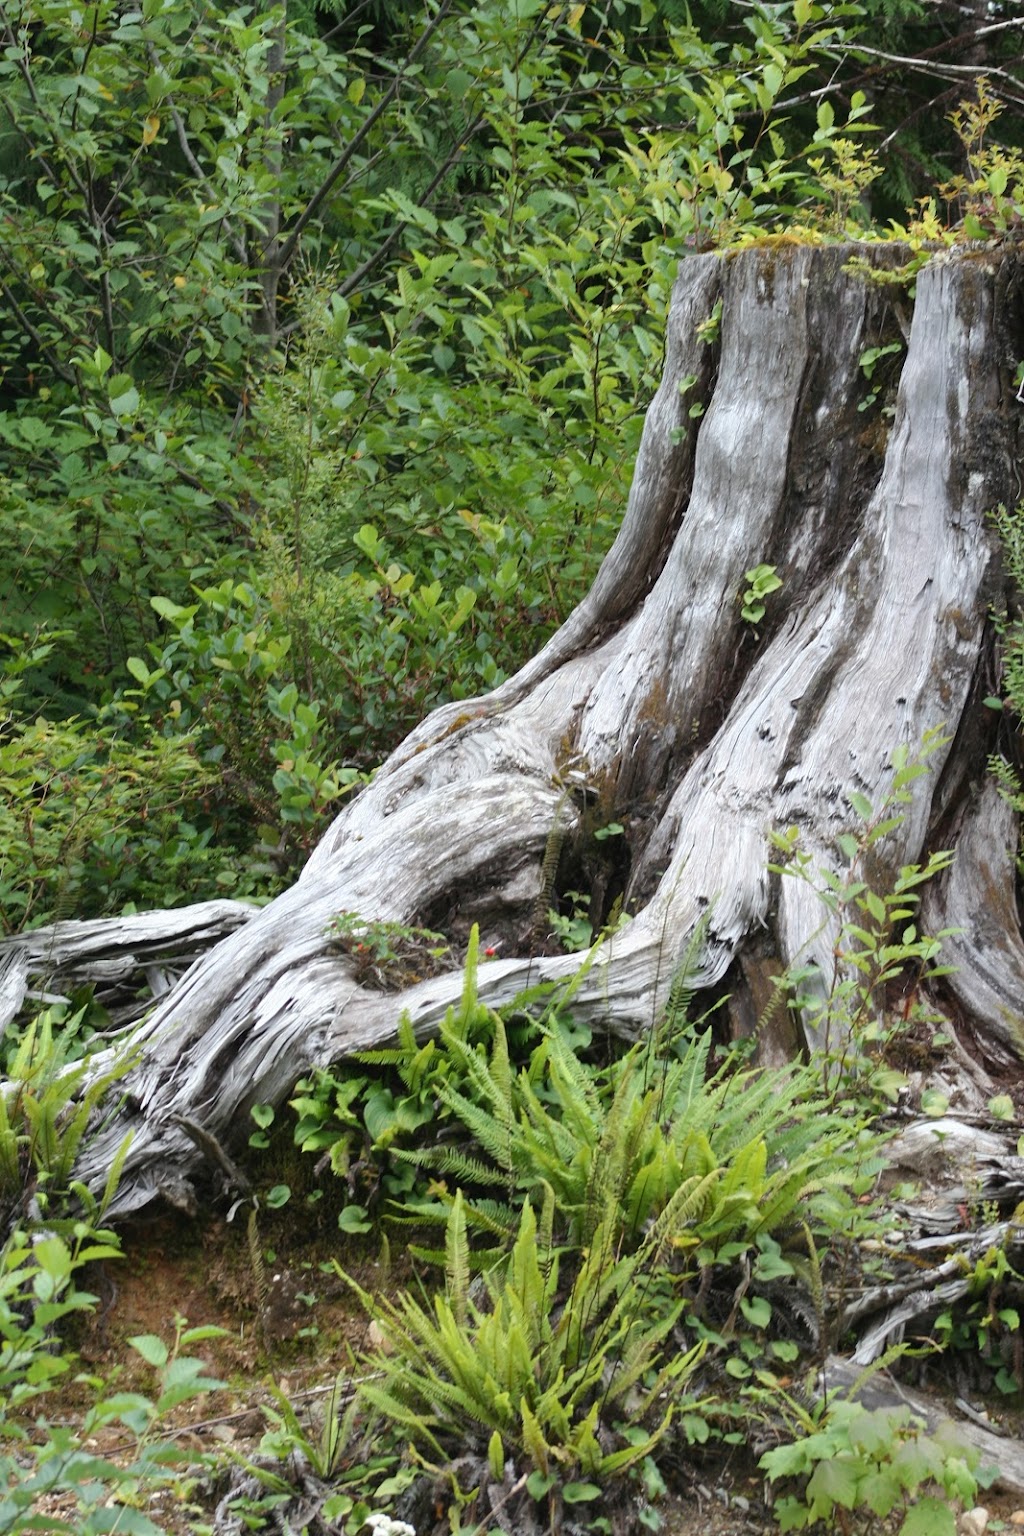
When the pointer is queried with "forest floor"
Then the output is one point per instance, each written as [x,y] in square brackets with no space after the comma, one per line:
[288,1320]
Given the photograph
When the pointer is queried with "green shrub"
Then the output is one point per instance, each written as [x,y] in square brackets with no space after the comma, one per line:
[101,814]
[354,1117]
[92,822]
[752,1149]
[51,1099]
[49,1464]
[879,1462]
[224,683]
[608,1209]
[982,1330]
[874,938]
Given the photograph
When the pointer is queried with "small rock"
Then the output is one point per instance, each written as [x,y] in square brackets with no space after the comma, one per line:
[974,1522]
[1017,1518]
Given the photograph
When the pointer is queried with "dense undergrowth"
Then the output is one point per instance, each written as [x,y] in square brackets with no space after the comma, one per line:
[660,1276]
[628,1261]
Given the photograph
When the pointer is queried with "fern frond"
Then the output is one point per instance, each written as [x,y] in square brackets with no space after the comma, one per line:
[685,1206]
[586,1325]
[549,1137]
[393,1409]
[113,1176]
[578,1084]
[493,1217]
[614,1462]
[501,1077]
[534,1442]
[387,1056]
[456,1267]
[817,1283]
[492,1132]
[642,1344]
[606,1184]
[524,1275]
[451,1163]
[10,1151]
[674,1023]
[545,1227]
[469,1001]
[676,1015]
[689,1079]
[548,875]
[672,1376]
[68,1136]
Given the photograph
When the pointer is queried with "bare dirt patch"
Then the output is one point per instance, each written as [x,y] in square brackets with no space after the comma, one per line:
[288,1321]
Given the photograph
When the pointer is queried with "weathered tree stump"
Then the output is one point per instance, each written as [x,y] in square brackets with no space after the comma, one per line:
[659,706]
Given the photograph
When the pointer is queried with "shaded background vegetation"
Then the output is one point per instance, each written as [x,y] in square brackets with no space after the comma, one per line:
[325,342]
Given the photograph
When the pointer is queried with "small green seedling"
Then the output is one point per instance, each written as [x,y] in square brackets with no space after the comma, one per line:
[762,580]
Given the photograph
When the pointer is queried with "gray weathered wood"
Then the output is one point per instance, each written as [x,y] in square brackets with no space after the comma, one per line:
[961,1170]
[14,974]
[106,951]
[977,898]
[701,735]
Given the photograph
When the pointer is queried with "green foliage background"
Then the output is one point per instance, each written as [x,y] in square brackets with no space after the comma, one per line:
[325,342]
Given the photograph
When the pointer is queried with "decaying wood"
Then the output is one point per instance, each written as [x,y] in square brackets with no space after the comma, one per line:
[657,705]
[969,1192]
[118,956]
[966,1172]
[14,973]
[976,898]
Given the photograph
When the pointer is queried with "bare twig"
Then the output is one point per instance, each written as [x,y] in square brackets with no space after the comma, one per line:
[191,160]
[287,250]
[59,368]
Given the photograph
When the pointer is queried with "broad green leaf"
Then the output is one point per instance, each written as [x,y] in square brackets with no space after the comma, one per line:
[998,178]
[151,1347]
[833,1482]
[580,1493]
[353,1219]
[757,1311]
[125,402]
[172,611]
[458,82]
[929,1517]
